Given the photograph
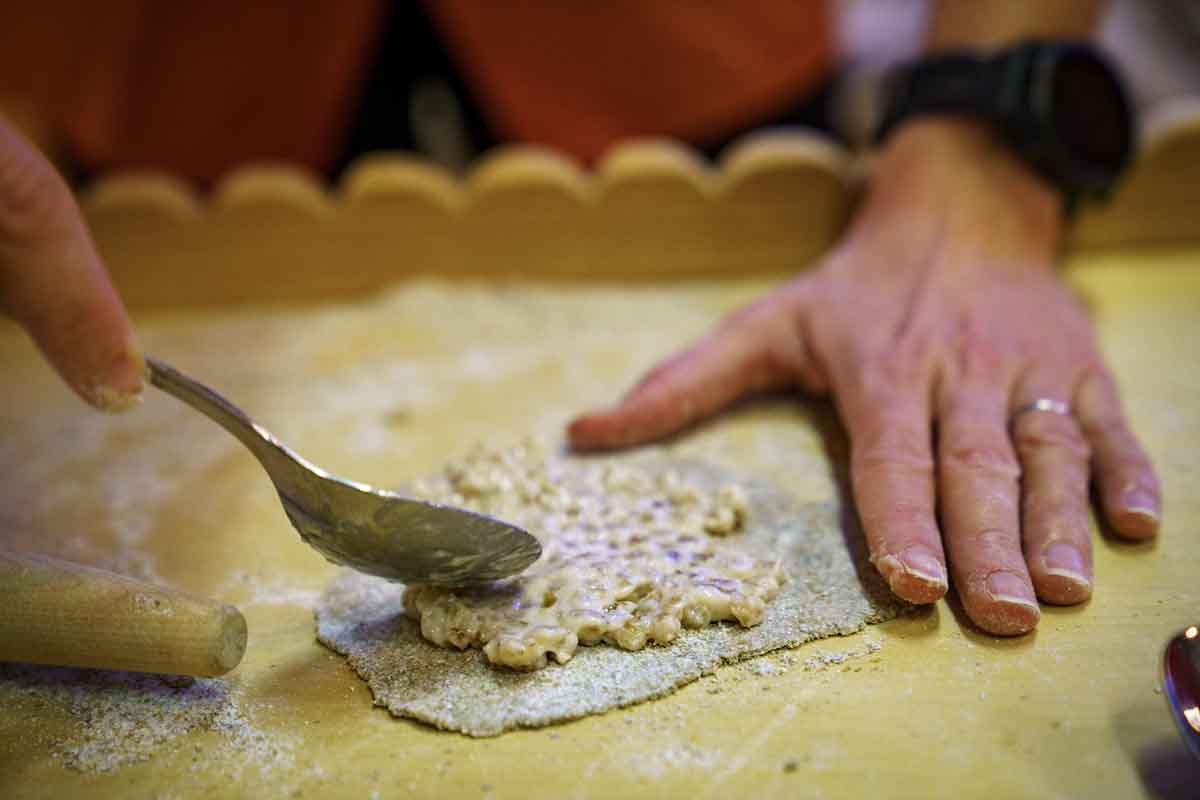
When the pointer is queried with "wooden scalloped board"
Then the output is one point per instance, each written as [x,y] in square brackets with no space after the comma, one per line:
[651,210]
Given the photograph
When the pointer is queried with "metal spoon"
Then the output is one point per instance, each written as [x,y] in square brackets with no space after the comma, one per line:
[372,530]
[1181,680]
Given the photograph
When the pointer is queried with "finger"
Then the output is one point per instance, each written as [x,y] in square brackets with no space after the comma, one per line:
[53,283]
[978,484]
[891,469]
[755,350]
[1128,487]
[1054,495]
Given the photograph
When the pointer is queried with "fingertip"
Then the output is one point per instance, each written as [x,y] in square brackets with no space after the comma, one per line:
[1063,589]
[1136,513]
[585,431]
[1002,604]
[1128,485]
[644,415]
[1006,617]
[915,575]
[1062,575]
[117,383]
[611,428]
[109,400]
[1135,523]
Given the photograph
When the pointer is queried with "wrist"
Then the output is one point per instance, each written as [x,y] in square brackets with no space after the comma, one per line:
[952,135]
[968,152]
[953,180]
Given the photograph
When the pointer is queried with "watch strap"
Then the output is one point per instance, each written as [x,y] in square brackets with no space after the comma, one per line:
[952,82]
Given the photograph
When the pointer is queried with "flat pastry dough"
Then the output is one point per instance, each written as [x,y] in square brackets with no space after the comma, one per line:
[830,590]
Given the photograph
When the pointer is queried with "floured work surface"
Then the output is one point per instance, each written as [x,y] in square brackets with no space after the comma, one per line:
[386,391]
[827,592]
[127,718]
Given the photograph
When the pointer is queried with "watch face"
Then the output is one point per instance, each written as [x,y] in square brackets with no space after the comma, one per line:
[1091,115]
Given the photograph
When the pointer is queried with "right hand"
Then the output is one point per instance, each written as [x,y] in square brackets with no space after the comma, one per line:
[53,283]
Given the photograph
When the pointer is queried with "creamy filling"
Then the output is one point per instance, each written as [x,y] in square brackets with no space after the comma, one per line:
[629,558]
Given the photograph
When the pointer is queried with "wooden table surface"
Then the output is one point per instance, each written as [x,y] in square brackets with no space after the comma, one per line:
[388,388]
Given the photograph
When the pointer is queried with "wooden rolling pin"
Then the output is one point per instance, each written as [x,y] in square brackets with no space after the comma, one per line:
[55,612]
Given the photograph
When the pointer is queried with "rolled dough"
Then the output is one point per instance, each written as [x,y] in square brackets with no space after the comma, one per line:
[831,591]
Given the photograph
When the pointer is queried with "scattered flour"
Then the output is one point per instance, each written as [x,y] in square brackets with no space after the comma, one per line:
[827,659]
[120,718]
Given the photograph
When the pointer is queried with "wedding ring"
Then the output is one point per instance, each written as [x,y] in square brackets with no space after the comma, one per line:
[1041,404]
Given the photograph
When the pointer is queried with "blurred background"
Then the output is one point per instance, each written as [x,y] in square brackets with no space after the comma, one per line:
[196,89]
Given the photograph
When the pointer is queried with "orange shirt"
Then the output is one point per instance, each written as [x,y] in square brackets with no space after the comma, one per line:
[196,88]
[188,86]
[581,74]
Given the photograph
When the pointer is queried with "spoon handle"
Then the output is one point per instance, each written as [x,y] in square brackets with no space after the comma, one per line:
[285,468]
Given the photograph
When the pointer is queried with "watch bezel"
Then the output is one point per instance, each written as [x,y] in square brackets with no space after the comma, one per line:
[1030,112]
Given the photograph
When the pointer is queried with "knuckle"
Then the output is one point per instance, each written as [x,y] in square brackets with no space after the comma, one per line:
[898,516]
[1059,511]
[893,442]
[982,358]
[1037,432]
[899,455]
[981,456]
[982,347]
[1135,470]
[879,376]
[1119,446]
[915,348]
[997,542]
[1109,424]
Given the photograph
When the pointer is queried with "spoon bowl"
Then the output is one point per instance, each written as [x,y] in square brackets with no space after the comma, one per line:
[372,530]
[1181,684]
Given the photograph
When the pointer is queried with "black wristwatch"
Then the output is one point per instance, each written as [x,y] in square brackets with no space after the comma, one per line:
[1060,105]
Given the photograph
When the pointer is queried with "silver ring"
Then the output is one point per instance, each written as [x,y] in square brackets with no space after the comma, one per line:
[1041,404]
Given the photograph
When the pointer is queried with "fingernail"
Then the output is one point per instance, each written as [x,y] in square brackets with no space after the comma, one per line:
[921,563]
[121,388]
[1065,561]
[915,574]
[113,400]
[1005,587]
[1138,500]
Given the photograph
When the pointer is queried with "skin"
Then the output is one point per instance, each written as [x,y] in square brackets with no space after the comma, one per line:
[986,24]
[937,315]
[53,282]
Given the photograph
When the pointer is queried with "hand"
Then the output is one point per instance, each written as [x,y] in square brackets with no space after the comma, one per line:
[933,320]
[53,283]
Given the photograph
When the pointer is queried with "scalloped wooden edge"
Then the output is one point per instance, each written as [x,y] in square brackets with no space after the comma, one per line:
[651,209]
[155,195]
[380,177]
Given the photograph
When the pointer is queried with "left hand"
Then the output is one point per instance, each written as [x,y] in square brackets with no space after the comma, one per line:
[937,317]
